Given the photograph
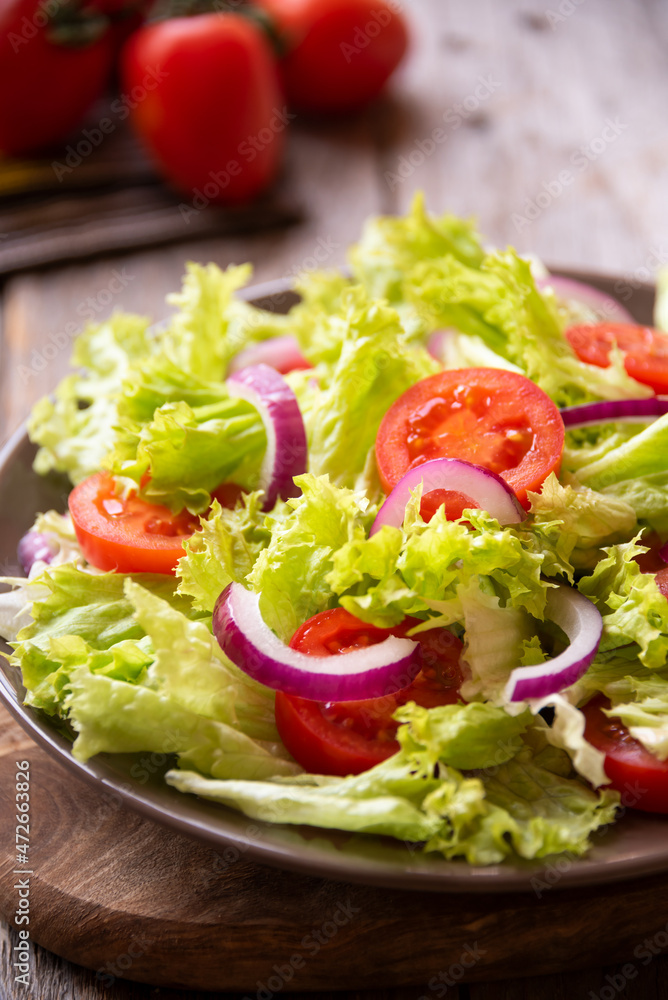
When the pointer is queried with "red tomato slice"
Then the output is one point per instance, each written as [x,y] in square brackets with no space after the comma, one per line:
[640,778]
[488,416]
[455,504]
[646,350]
[128,535]
[350,737]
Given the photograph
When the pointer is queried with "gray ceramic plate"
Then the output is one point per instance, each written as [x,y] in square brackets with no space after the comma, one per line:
[637,845]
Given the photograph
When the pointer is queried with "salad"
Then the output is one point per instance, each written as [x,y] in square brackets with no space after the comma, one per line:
[391,563]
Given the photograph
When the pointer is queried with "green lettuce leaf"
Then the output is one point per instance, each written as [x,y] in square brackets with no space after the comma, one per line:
[500,304]
[529,805]
[224,549]
[190,668]
[632,606]
[197,340]
[75,428]
[189,452]
[76,615]
[495,641]
[116,717]
[290,573]
[390,246]
[468,737]
[641,455]
[584,519]
[420,567]
[638,696]
[375,365]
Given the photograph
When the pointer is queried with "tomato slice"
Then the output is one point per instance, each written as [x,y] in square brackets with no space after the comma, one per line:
[640,778]
[128,534]
[491,417]
[350,737]
[646,350]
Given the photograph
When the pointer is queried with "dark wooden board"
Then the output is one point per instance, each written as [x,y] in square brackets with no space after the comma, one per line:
[128,899]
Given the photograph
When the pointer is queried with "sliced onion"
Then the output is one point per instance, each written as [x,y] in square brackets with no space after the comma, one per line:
[286,453]
[438,342]
[281,353]
[582,623]
[490,492]
[614,411]
[370,672]
[603,306]
[34,546]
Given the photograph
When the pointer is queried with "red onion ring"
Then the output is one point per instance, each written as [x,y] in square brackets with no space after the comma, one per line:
[582,623]
[602,305]
[281,353]
[287,451]
[490,492]
[614,411]
[248,641]
[33,546]
[437,343]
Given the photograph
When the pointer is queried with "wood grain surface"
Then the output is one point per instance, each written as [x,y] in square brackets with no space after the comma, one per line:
[555,137]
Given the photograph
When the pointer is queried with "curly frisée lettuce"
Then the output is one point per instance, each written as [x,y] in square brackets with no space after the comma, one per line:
[129,662]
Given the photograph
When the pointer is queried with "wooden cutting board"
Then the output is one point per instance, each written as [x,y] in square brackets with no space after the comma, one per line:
[124,897]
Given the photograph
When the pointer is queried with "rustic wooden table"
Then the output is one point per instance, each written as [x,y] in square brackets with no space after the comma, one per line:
[550,127]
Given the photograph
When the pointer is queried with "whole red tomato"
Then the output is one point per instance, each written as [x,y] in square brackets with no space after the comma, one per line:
[339,53]
[214,119]
[56,58]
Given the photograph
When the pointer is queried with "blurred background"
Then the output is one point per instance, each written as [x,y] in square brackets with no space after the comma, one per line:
[545,120]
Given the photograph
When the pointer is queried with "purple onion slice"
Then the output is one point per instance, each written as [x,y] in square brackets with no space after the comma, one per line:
[489,491]
[604,307]
[363,673]
[582,623]
[438,342]
[281,353]
[614,411]
[287,451]
[34,546]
